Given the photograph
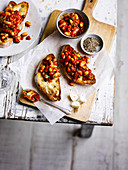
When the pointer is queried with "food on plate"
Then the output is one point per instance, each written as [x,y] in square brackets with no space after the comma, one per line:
[72,24]
[28,24]
[47,78]
[31,95]
[12,22]
[90,44]
[75,67]
[28,38]
[75,104]
[5,41]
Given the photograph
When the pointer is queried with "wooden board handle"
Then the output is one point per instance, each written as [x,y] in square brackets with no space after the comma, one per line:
[89,7]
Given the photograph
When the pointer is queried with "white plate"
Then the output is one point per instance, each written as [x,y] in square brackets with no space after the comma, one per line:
[33,31]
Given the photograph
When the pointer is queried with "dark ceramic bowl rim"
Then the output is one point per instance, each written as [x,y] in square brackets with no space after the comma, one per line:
[71,10]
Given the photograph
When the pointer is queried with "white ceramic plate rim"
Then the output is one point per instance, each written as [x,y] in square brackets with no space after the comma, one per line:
[34,31]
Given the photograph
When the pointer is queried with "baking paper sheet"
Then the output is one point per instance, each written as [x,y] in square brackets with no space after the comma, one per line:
[25,68]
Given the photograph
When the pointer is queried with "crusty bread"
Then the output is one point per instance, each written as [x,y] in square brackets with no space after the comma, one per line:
[10,5]
[23,9]
[79,81]
[51,89]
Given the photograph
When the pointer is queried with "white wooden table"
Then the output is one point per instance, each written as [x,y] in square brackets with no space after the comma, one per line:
[102,112]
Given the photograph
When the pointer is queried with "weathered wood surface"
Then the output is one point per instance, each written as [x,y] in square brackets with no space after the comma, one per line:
[101,113]
[106,31]
[106,150]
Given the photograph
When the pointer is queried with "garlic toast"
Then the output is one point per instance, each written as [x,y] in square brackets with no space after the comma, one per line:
[75,67]
[47,78]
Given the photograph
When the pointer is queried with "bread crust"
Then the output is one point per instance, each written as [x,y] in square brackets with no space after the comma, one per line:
[21,7]
[81,82]
[10,5]
[43,86]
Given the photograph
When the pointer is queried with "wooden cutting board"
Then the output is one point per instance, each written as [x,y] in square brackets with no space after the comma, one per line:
[107,32]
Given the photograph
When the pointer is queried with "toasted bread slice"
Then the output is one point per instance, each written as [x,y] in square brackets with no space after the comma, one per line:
[10,5]
[47,78]
[23,10]
[75,67]
[21,7]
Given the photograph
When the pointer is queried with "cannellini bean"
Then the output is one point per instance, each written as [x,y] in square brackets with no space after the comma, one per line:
[28,24]
[71,21]
[63,24]
[82,63]
[67,33]
[81,24]
[76,16]
[24,34]
[75,31]
[86,73]
[19,37]
[8,23]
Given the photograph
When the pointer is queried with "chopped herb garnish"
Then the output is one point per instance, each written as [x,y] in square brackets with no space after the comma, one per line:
[47,75]
[79,58]
[80,77]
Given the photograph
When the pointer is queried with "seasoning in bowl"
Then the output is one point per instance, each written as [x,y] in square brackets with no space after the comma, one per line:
[90,44]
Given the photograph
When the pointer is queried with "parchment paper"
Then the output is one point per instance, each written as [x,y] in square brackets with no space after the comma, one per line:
[25,68]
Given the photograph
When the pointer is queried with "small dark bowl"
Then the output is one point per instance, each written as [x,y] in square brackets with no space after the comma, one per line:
[99,48]
[84,19]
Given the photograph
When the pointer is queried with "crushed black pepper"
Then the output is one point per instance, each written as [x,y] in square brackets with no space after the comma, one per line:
[90,44]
